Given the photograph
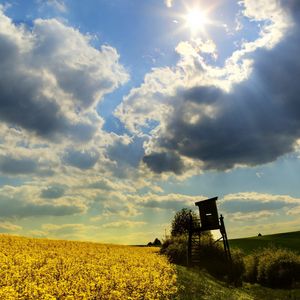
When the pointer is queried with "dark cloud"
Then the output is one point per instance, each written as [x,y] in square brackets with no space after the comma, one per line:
[53,192]
[101,185]
[255,123]
[15,166]
[84,159]
[169,204]
[22,104]
[127,153]
[21,209]
[82,132]
[164,162]
[10,165]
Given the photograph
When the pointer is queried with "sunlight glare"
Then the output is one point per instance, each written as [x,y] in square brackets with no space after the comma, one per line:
[196,20]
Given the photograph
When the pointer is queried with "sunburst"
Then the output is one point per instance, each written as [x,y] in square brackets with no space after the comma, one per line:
[196,20]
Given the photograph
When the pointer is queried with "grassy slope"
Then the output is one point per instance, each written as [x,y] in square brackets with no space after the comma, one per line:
[290,240]
[197,285]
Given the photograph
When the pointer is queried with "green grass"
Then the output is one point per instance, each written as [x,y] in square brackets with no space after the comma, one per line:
[196,284]
[289,240]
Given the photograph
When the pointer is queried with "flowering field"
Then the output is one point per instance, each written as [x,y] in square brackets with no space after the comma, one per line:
[46,269]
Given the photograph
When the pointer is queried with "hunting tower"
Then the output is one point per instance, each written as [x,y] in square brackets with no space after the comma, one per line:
[209,220]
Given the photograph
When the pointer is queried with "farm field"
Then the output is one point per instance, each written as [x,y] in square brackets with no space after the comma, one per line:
[51,269]
[289,240]
[48,269]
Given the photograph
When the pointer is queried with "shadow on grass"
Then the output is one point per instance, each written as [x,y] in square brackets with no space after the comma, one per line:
[196,284]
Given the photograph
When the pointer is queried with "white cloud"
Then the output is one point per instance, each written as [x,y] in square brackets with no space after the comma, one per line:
[168,3]
[8,226]
[77,231]
[247,204]
[252,216]
[57,78]
[26,201]
[57,4]
[161,97]
[153,99]
[294,211]
[124,224]
[170,201]
[51,81]
[65,227]
[261,197]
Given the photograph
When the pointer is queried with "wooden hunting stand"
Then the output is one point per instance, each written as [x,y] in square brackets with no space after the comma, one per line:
[209,220]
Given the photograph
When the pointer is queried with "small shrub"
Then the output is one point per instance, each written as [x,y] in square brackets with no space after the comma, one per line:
[213,259]
[237,267]
[251,263]
[211,256]
[273,267]
[157,242]
[175,248]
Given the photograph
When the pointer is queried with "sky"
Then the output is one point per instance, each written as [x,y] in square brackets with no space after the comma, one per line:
[115,114]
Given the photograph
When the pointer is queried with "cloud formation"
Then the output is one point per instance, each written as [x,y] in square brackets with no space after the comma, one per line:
[53,192]
[9,227]
[244,114]
[56,4]
[51,76]
[84,159]
[168,3]
[11,165]
[66,230]
[124,224]
[25,201]
[249,203]
[164,162]
[251,216]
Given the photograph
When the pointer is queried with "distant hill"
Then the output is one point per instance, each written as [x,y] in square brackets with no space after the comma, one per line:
[289,240]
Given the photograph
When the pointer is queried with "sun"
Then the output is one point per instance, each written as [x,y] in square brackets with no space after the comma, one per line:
[196,20]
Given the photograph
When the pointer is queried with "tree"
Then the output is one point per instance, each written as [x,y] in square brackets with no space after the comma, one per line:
[181,221]
[157,242]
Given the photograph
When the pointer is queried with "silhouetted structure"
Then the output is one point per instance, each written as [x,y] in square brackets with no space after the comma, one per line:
[209,220]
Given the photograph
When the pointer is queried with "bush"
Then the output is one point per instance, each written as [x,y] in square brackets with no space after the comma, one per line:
[175,248]
[157,242]
[213,259]
[251,263]
[237,267]
[211,256]
[273,267]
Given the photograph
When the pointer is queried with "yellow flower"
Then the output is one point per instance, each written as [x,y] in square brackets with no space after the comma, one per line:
[47,270]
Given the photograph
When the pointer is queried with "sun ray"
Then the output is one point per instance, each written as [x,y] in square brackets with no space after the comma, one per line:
[196,20]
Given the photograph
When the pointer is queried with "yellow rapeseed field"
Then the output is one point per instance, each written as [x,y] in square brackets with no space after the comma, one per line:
[47,269]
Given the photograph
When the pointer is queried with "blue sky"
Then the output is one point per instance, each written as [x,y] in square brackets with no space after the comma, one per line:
[116,114]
